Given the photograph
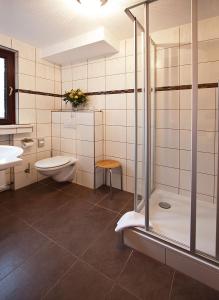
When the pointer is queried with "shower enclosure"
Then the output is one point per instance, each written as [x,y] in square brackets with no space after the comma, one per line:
[176,57]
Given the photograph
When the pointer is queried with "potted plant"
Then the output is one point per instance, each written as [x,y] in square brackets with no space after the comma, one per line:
[76,97]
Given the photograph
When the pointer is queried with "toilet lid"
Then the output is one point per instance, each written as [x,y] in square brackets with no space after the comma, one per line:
[52,162]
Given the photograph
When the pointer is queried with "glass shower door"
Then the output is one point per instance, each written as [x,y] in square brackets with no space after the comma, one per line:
[207,128]
[170,121]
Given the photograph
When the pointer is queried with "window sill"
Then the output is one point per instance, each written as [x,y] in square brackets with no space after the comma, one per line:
[15,129]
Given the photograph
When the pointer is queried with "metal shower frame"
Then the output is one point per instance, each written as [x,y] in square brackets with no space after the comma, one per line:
[146,90]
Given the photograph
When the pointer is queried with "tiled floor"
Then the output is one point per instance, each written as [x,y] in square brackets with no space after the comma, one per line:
[58,242]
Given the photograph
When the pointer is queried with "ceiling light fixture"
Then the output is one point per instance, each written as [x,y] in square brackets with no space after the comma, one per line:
[92,3]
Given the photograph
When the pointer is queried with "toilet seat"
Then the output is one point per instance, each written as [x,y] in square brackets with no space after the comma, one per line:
[54,162]
[60,168]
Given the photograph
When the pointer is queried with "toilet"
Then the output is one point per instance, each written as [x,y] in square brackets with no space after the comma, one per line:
[60,168]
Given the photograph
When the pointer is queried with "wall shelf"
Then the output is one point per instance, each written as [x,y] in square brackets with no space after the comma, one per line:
[15,129]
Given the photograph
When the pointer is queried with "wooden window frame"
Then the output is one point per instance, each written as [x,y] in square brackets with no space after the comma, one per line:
[9,57]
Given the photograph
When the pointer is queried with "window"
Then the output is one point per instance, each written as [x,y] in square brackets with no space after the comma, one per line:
[7,85]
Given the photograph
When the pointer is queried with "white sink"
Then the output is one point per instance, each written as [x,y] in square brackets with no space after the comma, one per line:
[10,156]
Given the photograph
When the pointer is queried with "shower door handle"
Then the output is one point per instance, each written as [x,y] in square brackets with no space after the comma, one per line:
[10,91]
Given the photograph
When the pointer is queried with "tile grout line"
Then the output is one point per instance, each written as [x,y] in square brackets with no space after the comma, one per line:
[171,286]
[95,240]
[49,239]
[23,262]
[118,277]
[59,280]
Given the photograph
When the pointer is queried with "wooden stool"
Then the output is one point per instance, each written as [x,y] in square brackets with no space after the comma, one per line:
[108,165]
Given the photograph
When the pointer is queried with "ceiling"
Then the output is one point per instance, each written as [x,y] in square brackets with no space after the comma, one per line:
[45,22]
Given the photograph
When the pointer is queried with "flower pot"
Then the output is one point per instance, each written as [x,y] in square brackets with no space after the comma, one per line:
[75,108]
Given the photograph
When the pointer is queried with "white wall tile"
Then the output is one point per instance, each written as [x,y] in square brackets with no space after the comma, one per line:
[44,102]
[207,29]
[96,69]
[57,103]
[85,164]
[80,84]
[115,149]
[45,71]
[26,100]
[85,118]
[68,133]
[130,65]
[167,100]
[99,131]
[27,82]
[85,133]
[207,51]
[167,176]
[167,138]
[130,183]
[26,66]
[116,133]
[131,118]
[43,116]
[206,99]
[44,130]
[23,179]
[131,152]
[131,135]
[67,74]
[167,119]
[115,66]
[185,180]
[116,101]
[115,82]
[25,50]
[66,86]
[68,145]
[98,148]
[167,157]
[185,75]
[85,148]
[130,80]
[206,141]
[56,143]
[56,117]
[185,119]
[116,117]
[205,163]
[56,130]
[168,57]
[27,116]
[208,72]
[185,99]
[96,84]
[206,120]
[85,179]
[205,184]
[44,85]
[96,102]
[185,139]
[58,74]
[80,72]
[167,37]
[168,76]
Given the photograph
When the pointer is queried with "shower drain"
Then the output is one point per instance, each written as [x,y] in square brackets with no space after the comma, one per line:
[164,205]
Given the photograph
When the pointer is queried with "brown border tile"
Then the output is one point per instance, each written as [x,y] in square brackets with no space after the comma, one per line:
[125,91]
